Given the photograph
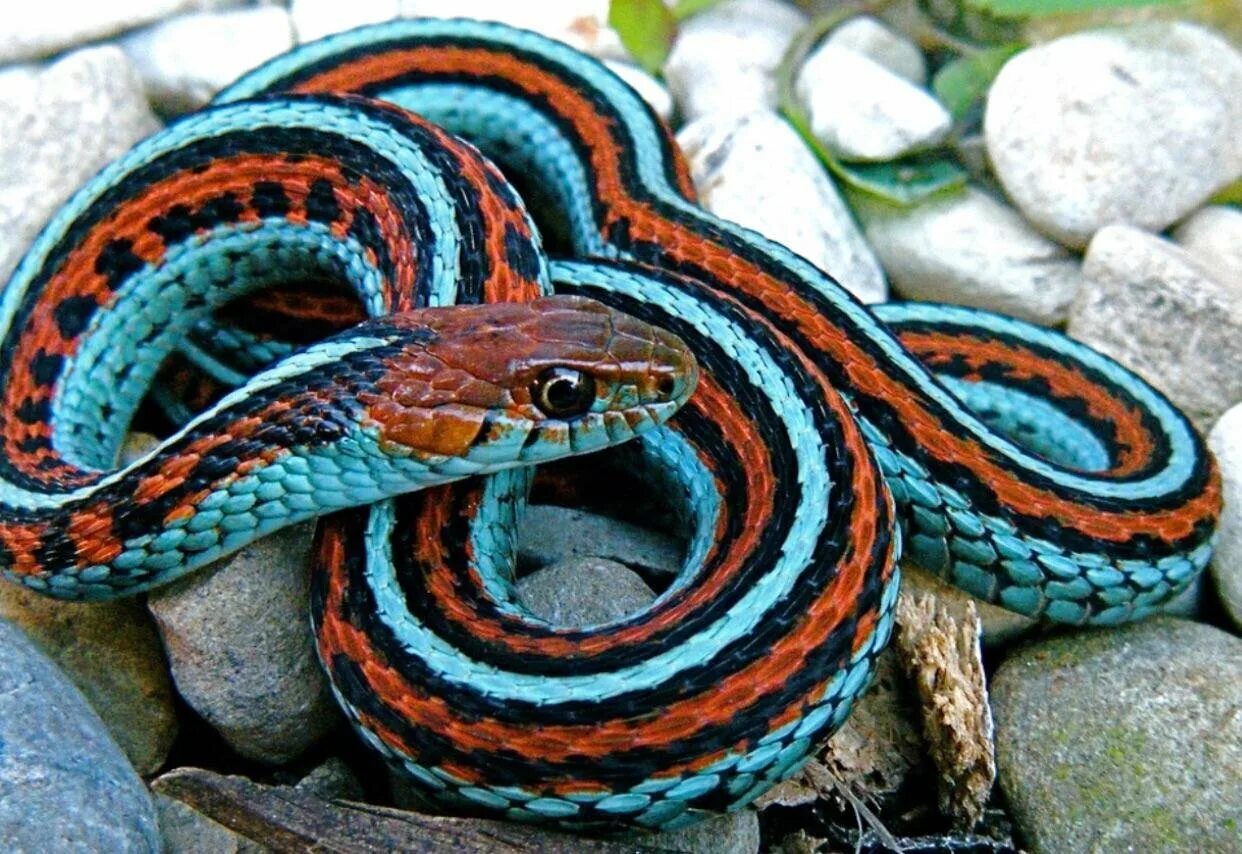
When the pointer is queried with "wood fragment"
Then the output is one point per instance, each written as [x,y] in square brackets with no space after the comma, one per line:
[941,653]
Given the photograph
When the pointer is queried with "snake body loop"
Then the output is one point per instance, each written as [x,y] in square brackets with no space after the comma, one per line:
[1023,467]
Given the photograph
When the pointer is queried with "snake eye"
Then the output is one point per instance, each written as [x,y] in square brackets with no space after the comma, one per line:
[563,392]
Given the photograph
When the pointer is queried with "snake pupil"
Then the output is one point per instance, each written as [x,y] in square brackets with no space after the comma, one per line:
[564,392]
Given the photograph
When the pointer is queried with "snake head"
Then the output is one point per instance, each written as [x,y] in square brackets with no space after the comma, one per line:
[511,383]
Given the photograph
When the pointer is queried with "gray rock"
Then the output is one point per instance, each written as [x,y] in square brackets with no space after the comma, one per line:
[584,592]
[1135,125]
[756,171]
[64,783]
[1147,304]
[314,19]
[58,126]
[1124,740]
[241,648]
[112,653]
[1225,440]
[878,115]
[332,780]
[185,830]
[38,29]
[185,61]
[866,36]
[724,60]
[971,249]
[551,534]
[1213,237]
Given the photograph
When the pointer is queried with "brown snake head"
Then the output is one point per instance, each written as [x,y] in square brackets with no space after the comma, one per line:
[527,381]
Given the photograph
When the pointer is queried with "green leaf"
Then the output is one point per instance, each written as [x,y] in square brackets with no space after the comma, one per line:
[646,28]
[1230,194]
[1036,8]
[963,82]
[683,9]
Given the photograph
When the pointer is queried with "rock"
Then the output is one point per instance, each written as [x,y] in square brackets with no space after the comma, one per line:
[1213,237]
[651,90]
[112,653]
[1148,305]
[58,126]
[868,37]
[332,780]
[584,592]
[551,534]
[185,61]
[1128,739]
[185,830]
[582,24]
[1225,440]
[998,626]
[39,29]
[64,783]
[734,833]
[879,115]
[242,651]
[756,171]
[1136,125]
[314,19]
[971,249]
[724,60]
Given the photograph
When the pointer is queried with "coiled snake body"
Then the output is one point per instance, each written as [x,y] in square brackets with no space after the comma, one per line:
[1027,469]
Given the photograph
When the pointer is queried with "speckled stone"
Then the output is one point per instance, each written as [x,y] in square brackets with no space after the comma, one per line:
[584,592]
[65,785]
[1124,740]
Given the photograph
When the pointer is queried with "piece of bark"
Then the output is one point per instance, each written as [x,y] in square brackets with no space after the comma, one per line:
[284,819]
[941,654]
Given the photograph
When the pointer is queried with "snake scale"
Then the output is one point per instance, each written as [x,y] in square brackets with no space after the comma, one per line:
[820,434]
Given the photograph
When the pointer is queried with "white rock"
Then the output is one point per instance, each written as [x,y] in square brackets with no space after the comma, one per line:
[862,111]
[582,24]
[1213,237]
[314,19]
[37,29]
[650,89]
[1225,440]
[1135,125]
[1147,304]
[724,60]
[58,126]
[756,171]
[185,61]
[971,249]
[867,36]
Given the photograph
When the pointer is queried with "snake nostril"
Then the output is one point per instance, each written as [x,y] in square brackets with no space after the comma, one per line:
[665,387]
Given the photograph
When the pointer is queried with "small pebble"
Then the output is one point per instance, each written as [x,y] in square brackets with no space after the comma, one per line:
[185,61]
[1123,740]
[112,652]
[878,115]
[242,651]
[1147,304]
[1213,237]
[724,59]
[585,591]
[866,36]
[1133,125]
[65,785]
[755,170]
[58,126]
[1225,440]
[971,249]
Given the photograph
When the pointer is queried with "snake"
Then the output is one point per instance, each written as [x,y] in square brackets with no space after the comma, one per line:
[815,438]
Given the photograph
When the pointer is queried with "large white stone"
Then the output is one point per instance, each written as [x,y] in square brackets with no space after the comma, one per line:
[651,90]
[1225,440]
[724,59]
[185,61]
[756,171]
[971,249]
[1136,125]
[314,19]
[862,111]
[40,28]
[1213,237]
[1146,303]
[869,37]
[582,24]
[58,127]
